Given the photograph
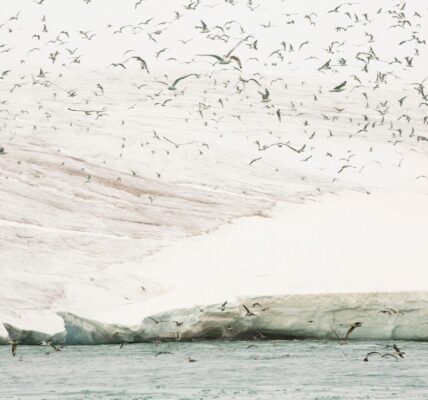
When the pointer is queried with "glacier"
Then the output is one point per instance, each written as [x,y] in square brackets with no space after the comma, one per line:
[162,203]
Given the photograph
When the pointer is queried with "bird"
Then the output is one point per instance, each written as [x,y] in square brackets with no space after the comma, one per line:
[163,104]
[248,313]
[326,65]
[14,344]
[336,9]
[366,358]
[398,351]
[191,360]
[228,57]
[203,27]
[254,160]
[265,96]
[223,60]
[174,84]
[118,65]
[352,327]
[142,62]
[390,355]
[177,145]
[50,344]
[162,353]
[137,4]
[4,74]
[344,167]
[155,320]
[339,88]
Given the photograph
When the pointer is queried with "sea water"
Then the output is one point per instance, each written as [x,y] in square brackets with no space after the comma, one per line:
[221,370]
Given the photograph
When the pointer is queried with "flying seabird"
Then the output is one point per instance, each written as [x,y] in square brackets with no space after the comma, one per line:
[265,96]
[162,353]
[228,58]
[352,328]
[339,88]
[14,344]
[248,313]
[174,84]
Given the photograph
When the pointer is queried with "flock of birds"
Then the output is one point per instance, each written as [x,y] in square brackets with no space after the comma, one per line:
[231,90]
[376,73]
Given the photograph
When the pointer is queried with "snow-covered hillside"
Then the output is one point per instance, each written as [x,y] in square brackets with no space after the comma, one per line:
[296,165]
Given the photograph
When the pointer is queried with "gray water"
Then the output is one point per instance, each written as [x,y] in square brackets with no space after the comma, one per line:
[223,370]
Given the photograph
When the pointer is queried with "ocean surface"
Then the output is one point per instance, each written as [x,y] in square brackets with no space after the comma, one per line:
[222,370]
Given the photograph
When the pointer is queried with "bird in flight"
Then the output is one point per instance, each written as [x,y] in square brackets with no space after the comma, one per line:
[14,344]
[142,62]
[248,313]
[339,88]
[174,84]
[162,352]
[265,96]
[352,328]
[228,57]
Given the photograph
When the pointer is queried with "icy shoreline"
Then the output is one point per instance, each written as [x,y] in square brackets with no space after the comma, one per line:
[384,316]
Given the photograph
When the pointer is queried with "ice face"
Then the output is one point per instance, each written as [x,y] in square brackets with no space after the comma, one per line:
[375,316]
[30,337]
[85,331]
[383,317]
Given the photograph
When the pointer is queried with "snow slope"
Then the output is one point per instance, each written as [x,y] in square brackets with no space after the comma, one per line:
[121,199]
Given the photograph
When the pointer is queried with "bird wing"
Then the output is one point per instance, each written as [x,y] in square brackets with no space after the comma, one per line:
[390,355]
[398,350]
[233,48]
[53,346]
[144,65]
[212,55]
[246,308]
[182,77]
[255,81]
[325,64]
[168,140]
[340,86]
[350,330]
[373,352]
[237,60]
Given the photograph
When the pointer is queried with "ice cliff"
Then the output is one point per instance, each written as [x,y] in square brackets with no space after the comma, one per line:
[383,316]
